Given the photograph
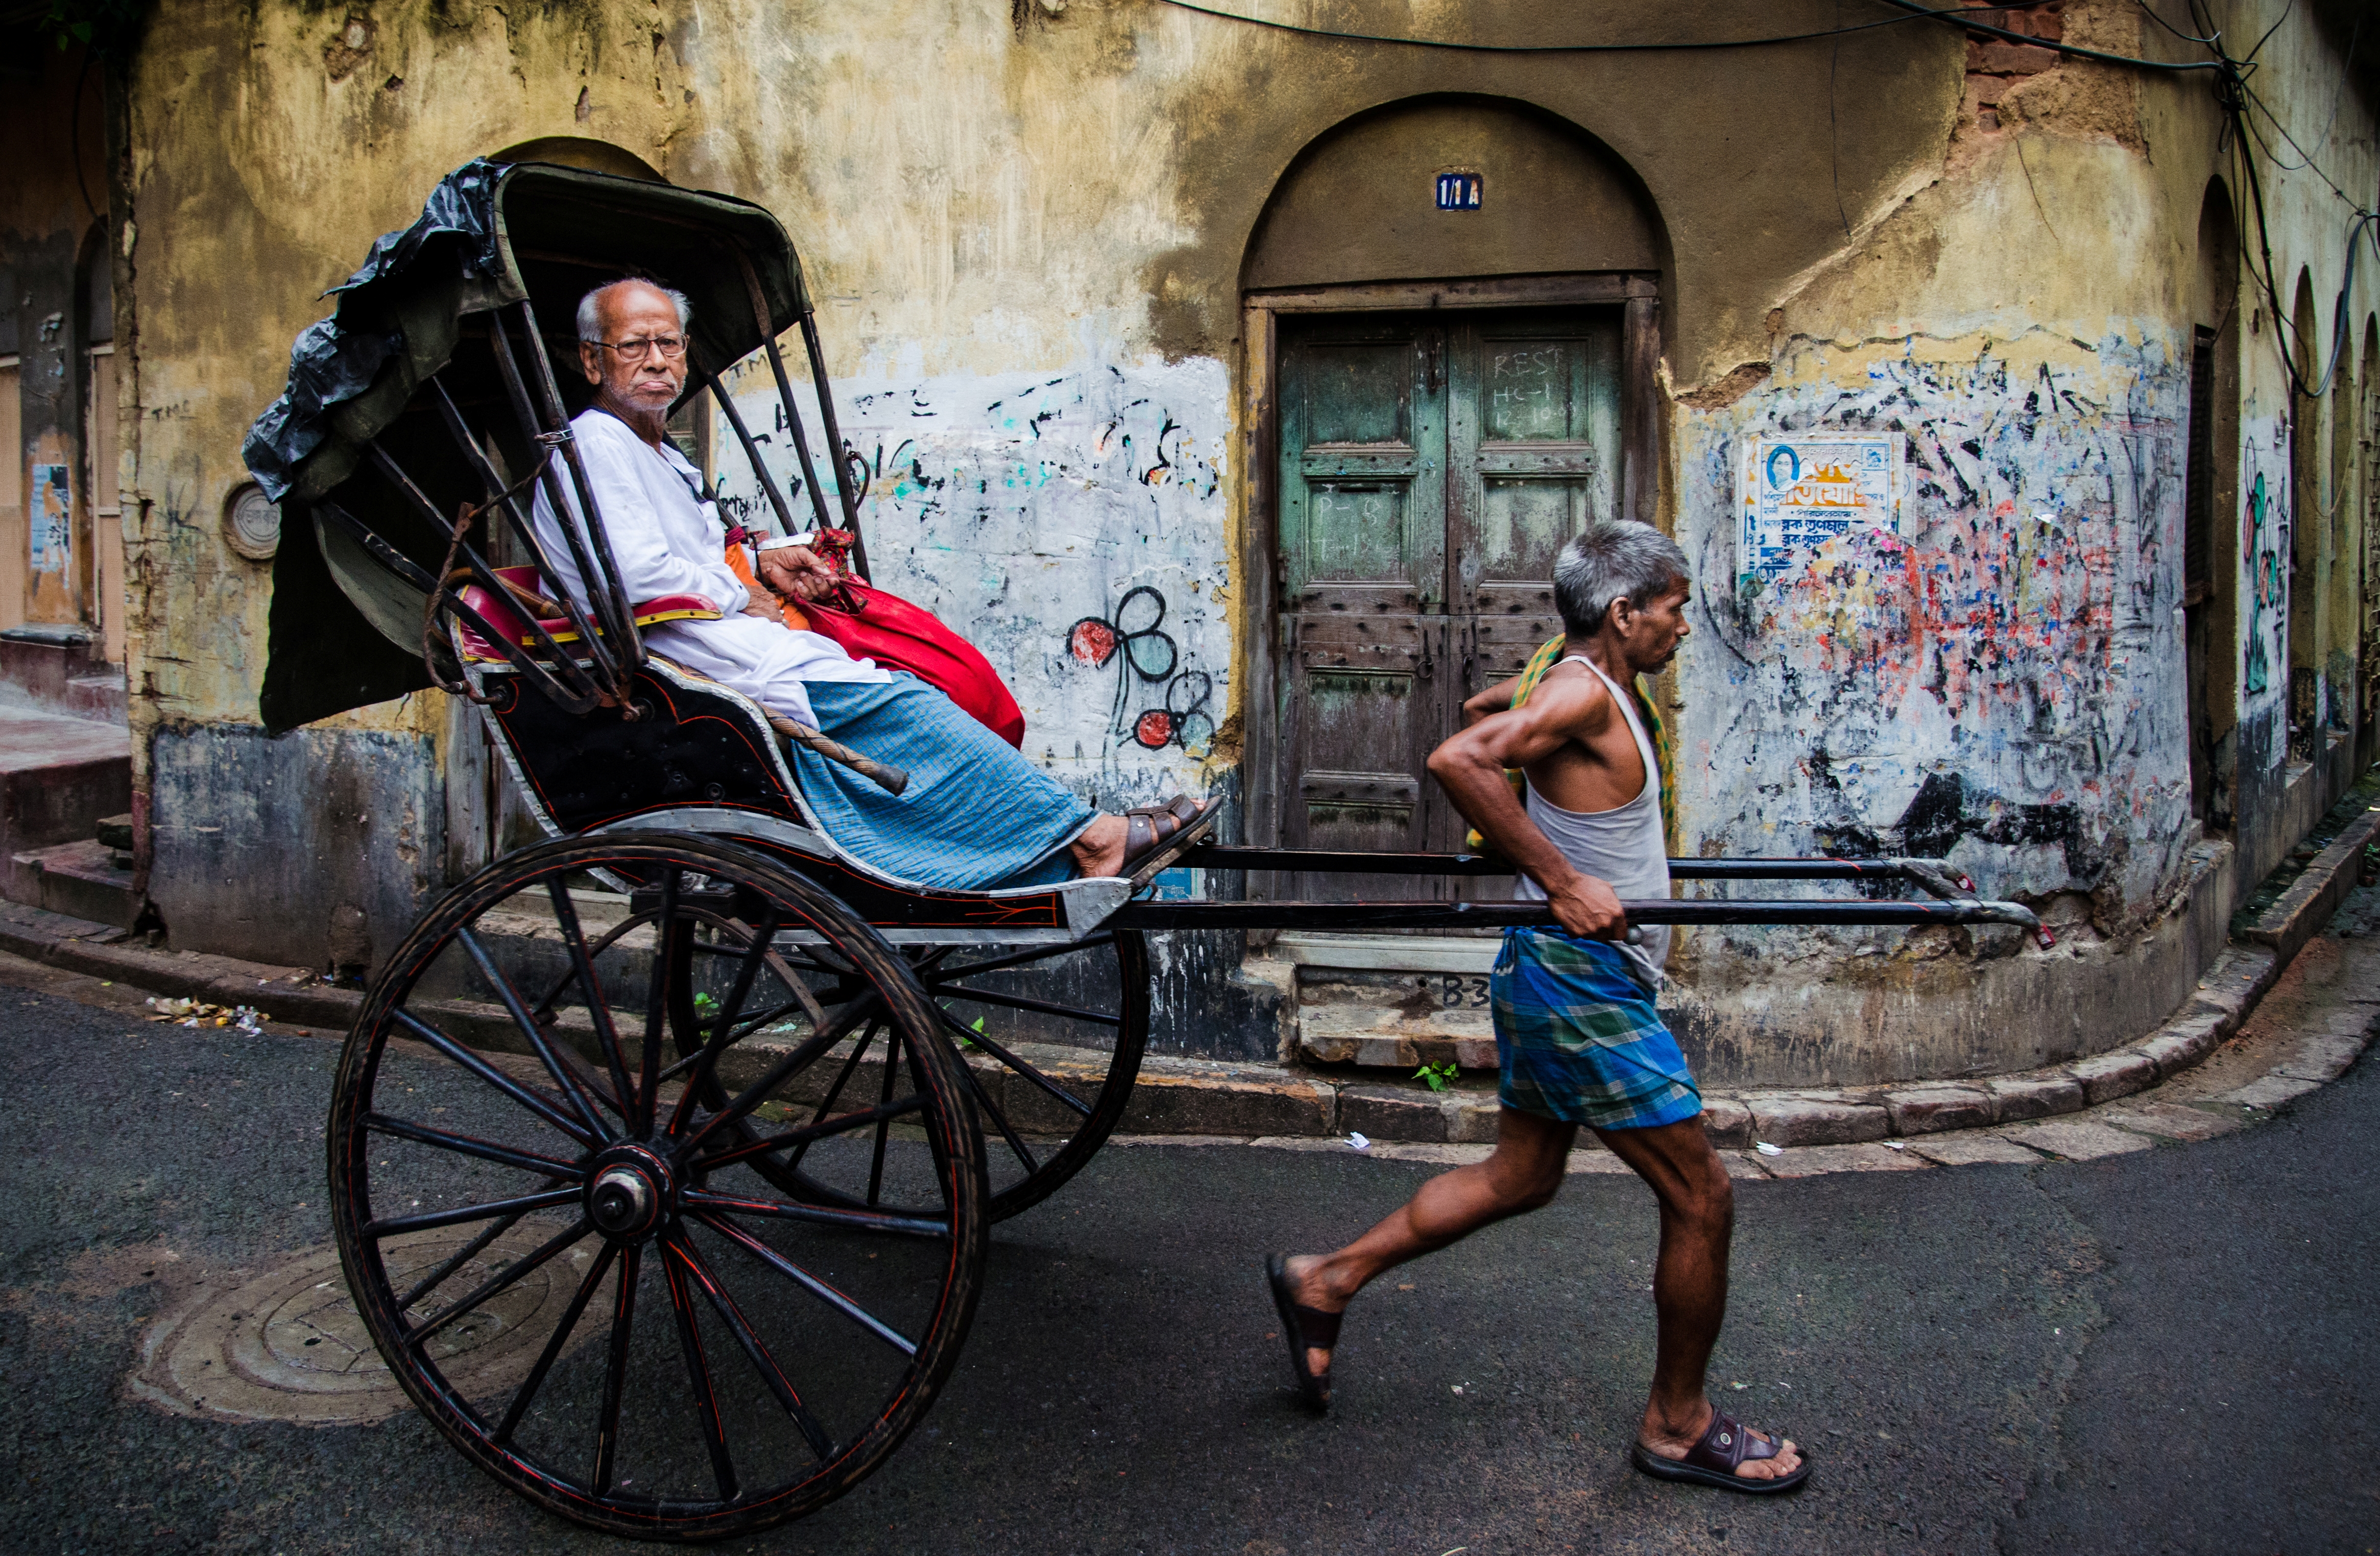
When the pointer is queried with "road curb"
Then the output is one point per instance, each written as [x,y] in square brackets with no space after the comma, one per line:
[1198,1097]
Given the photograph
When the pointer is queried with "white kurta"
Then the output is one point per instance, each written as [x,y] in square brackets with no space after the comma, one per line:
[666,542]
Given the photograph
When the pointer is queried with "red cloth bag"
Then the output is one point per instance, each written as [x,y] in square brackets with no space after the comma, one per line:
[872,624]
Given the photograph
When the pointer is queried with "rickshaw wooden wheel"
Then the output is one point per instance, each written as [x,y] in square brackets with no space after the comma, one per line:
[1051,1039]
[540,1146]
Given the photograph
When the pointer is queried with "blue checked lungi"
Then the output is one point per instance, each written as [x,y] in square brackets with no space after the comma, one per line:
[1577,1039]
[975,814]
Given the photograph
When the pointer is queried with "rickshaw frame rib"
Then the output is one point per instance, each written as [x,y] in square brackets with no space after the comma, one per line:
[597,584]
[847,499]
[560,435]
[444,531]
[566,664]
[777,503]
[766,320]
[405,567]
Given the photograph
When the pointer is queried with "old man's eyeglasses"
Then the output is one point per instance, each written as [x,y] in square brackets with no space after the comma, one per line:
[672,347]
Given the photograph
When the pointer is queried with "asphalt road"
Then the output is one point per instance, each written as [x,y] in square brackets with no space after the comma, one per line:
[2163,1352]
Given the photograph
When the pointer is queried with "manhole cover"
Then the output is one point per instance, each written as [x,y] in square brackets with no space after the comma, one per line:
[288,1345]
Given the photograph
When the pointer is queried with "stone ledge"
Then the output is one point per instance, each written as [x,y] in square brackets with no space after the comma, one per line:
[2314,897]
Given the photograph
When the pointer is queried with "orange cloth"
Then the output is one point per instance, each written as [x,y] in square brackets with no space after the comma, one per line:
[739,564]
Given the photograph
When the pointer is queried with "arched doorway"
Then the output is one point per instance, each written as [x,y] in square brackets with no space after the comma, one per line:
[1451,315]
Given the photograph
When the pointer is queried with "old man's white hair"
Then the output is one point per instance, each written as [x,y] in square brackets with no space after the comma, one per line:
[591,322]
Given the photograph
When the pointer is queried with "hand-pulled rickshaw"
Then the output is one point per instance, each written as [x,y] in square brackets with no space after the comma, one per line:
[665,1153]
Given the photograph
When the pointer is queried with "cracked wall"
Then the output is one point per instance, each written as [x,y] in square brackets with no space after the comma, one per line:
[1026,226]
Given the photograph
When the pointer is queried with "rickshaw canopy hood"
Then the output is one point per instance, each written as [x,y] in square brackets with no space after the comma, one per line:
[346,632]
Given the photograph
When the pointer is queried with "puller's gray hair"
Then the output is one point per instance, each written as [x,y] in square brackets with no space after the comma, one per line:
[590,307]
[1613,558]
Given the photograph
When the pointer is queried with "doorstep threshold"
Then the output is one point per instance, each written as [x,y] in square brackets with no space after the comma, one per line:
[1388,953]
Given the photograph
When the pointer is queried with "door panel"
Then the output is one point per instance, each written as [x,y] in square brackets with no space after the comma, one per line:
[1431,467]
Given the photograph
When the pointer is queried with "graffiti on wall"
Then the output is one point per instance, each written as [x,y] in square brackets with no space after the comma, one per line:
[2263,561]
[1014,504]
[2016,638]
[1133,641]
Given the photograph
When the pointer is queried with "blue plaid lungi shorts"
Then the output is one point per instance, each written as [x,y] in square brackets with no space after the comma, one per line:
[1577,1039]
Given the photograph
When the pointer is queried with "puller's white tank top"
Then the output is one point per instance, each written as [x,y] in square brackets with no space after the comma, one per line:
[1625,847]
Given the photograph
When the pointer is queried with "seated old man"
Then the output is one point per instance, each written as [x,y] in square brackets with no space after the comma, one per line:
[975,814]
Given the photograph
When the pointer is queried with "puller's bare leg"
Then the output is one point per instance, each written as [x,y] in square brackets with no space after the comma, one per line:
[1524,1171]
[1689,1284]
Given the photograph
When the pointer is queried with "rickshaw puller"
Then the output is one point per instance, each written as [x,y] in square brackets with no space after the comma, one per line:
[975,814]
[1578,1040]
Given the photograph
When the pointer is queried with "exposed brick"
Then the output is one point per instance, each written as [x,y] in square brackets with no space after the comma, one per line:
[2109,1076]
[2034,1096]
[1999,58]
[1926,1110]
[1787,1120]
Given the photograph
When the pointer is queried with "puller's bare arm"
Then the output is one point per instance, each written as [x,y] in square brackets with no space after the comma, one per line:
[1470,768]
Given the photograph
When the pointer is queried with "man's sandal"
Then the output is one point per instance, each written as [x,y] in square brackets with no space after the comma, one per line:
[1148,828]
[1306,1328]
[1712,1462]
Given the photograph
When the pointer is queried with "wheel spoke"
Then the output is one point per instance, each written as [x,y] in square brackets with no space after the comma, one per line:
[467,1145]
[510,999]
[983,1101]
[755,1094]
[841,1124]
[811,1284]
[849,1065]
[428,1219]
[782,1210]
[698,1271]
[615,1373]
[582,961]
[494,1077]
[499,1282]
[1012,1062]
[1019,1002]
[657,1007]
[723,1030]
[545,1358]
[697,1373]
[884,1125]
[456,1260]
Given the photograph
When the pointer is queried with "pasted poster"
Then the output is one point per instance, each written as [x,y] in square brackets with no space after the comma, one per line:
[53,539]
[1801,492]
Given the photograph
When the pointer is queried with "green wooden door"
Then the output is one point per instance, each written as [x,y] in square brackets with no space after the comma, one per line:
[1431,467]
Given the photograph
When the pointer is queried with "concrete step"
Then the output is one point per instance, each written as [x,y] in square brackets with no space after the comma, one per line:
[1394,1019]
[84,880]
[59,778]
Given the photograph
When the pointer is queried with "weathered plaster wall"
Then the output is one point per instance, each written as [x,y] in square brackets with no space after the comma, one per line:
[1029,277]
[2001,681]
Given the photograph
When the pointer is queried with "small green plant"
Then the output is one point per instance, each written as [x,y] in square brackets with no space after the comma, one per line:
[1437,1076]
[705,1006]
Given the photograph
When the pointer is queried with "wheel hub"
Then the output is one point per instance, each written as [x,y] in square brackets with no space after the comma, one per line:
[629,1193]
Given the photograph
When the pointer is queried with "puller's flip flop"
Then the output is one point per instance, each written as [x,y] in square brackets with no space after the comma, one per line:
[1303,1328]
[1712,1462]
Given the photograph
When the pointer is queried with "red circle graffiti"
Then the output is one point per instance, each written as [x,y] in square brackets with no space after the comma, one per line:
[1154,729]
[1092,641]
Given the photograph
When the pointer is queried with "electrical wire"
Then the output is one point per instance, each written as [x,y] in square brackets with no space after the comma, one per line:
[1689,45]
